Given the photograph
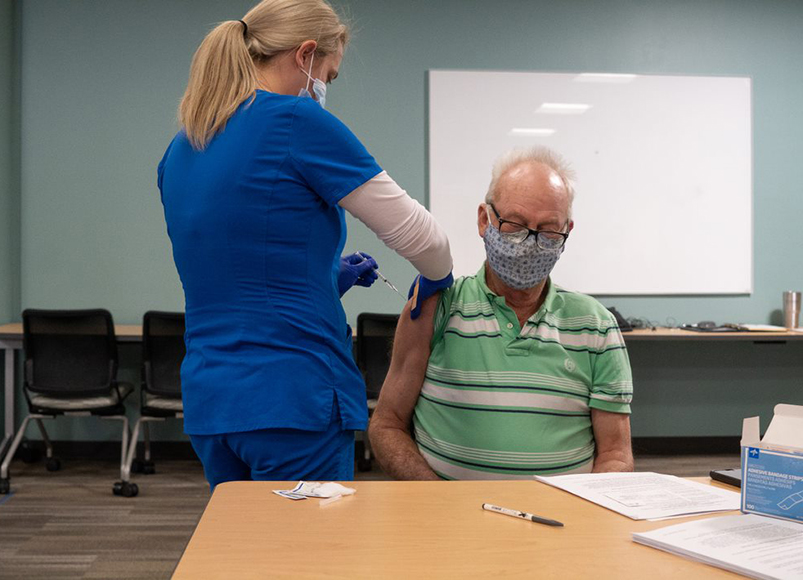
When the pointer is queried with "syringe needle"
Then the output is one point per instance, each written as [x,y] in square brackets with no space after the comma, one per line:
[392,287]
[385,280]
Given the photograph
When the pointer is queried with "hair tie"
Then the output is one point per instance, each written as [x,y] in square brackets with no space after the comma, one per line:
[245,29]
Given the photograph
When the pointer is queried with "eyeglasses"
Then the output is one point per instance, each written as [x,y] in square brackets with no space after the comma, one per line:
[517,233]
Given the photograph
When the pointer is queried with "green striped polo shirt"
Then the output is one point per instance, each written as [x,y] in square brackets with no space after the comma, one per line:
[504,402]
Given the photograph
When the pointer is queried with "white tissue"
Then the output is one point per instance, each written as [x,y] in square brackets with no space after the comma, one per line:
[317,489]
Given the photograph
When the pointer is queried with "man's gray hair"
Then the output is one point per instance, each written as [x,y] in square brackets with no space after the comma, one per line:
[537,154]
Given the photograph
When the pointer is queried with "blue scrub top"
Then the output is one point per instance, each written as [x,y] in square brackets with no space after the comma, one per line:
[257,235]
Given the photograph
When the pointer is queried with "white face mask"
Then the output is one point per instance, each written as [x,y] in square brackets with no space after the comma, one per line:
[519,265]
[318,86]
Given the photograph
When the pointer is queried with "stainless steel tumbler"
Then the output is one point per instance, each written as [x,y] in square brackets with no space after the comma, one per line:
[791,308]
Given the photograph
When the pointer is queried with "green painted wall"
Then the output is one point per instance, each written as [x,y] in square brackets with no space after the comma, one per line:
[9,164]
[9,168]
[99,109]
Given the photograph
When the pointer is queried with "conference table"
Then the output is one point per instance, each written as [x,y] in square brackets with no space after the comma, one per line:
[400,529]
[11,341]
[660,333]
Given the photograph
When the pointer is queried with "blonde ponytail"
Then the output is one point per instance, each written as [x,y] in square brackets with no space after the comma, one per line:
[222,76]
[223,71]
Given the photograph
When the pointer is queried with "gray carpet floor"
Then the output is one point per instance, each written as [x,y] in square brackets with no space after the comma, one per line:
[68,524]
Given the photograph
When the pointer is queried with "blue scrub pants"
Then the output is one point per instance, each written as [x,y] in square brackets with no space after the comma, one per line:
[277,455]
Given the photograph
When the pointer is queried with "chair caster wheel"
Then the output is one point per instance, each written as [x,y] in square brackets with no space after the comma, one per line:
[53,464]
[148,468]
[5,486]
[137,466]
[125,489]
[363,465]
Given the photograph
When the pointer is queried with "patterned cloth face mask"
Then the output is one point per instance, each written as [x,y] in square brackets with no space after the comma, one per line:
[520,266]
[318,86]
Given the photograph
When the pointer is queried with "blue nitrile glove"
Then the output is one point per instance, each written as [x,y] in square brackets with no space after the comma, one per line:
[356,269]
[423,288]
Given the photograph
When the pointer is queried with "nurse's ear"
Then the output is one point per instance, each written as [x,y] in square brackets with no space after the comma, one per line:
[304,54]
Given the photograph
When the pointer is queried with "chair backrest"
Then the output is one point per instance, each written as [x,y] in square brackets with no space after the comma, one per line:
[163,351]
[374,345]
[69,353]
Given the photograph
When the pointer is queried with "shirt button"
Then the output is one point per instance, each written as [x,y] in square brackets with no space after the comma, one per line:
[510,325]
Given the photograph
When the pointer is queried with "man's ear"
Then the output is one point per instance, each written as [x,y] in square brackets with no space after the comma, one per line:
[482,219]
[571,226]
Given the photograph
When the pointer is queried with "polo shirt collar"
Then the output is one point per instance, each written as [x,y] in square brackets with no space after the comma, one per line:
[552,302]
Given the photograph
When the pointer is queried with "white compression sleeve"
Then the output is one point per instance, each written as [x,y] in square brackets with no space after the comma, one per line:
[403,224]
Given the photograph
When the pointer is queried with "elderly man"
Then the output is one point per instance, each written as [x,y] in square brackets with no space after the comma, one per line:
[506,375]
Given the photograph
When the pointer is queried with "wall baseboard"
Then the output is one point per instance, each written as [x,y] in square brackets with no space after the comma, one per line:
[686,445]
[105,450]
[110,450]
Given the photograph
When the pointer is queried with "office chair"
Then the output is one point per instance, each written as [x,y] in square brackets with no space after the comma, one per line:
[70,371]
[374,345]
[160,397]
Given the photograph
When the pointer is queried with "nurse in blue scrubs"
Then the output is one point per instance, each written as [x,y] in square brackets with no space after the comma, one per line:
[255,187]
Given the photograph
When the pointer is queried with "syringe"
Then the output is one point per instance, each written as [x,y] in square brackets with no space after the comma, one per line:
[385,280]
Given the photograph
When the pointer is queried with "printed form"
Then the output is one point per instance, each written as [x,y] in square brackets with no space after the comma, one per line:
[751,545]
[646,496]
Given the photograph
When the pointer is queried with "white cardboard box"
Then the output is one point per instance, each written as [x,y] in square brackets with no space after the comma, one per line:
[772,467]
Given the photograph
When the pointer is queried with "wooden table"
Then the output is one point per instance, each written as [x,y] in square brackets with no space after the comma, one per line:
[420,530]
[10,342]
[642,334]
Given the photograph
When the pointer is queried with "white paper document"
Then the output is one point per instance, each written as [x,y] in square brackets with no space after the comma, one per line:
[755,546]
[763,328]
[646,496]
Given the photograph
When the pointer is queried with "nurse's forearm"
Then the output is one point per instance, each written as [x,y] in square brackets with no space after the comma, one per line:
[403,224]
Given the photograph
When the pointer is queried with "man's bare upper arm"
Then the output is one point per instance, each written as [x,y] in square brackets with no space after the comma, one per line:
[611,430]
[408,365]
[612,437]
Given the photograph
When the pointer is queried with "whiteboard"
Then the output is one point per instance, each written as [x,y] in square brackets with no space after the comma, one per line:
[663,165]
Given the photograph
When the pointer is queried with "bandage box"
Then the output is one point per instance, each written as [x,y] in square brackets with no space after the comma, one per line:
[772,467]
